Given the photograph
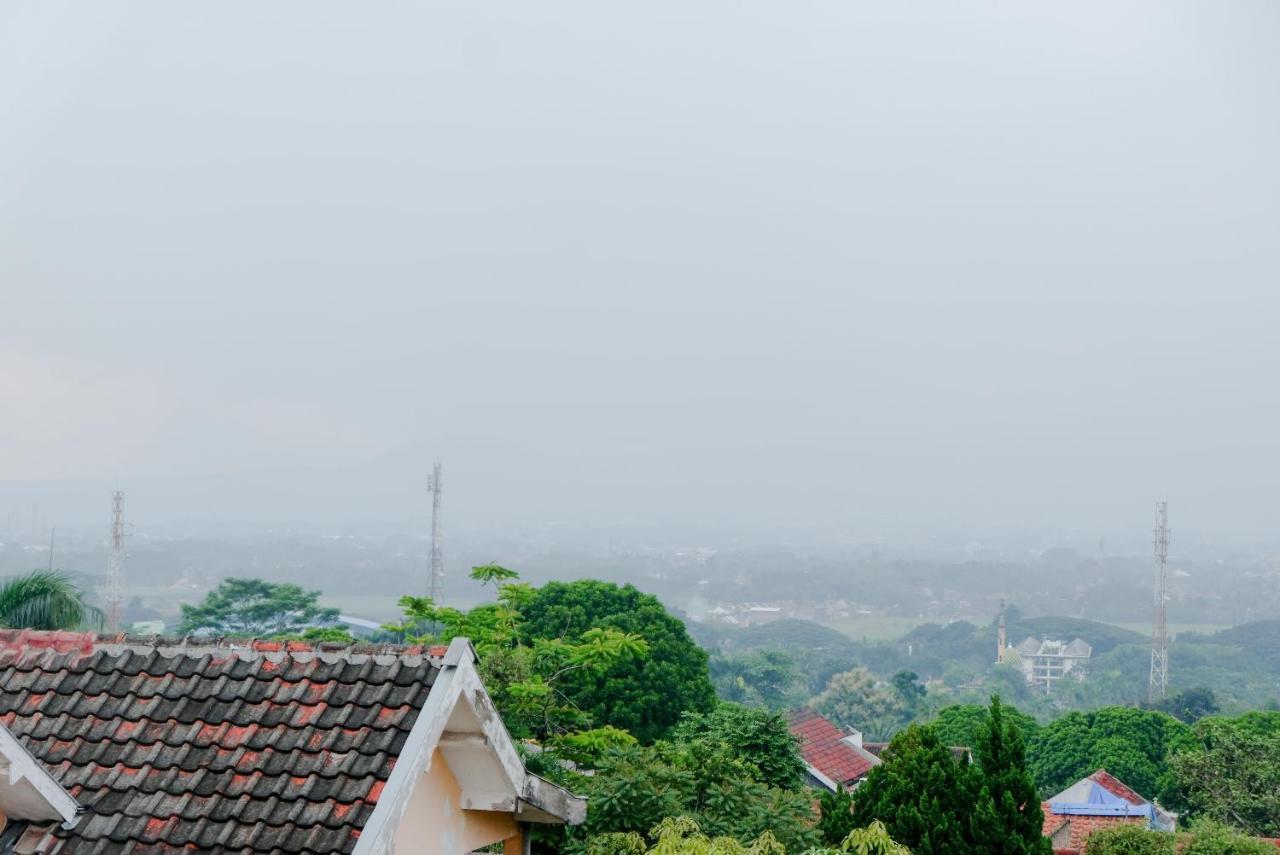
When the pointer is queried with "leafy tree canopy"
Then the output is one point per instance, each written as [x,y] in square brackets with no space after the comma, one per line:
[254,607]
[1131,744]
[45,599]
[644,695]
[1206,838]
[528,678]
[1232,775]
[855,699]
[1189,705]
[761,739]
[682,836]
[634,788]
[963,724]
[764,678]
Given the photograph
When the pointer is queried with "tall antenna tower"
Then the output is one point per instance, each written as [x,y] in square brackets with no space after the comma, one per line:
[1159,683]
[1001,637]
[437,554]
[115,566]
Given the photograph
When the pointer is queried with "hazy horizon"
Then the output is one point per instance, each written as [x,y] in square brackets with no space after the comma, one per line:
[976,268]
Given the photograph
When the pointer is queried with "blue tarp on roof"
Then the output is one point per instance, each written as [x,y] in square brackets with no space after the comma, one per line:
[1102,802]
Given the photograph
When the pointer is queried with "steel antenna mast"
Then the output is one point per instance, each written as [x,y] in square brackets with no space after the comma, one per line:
[115,563]
[1159,682]
[437,553]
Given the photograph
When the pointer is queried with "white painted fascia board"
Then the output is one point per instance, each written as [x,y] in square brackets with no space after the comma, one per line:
[821,778]
[22,766]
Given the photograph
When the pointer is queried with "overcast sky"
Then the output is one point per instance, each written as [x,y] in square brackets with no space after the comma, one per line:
[999,262]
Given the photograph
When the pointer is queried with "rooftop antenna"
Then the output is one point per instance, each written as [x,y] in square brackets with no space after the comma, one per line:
[115,563]
[1159,682]
[437,554]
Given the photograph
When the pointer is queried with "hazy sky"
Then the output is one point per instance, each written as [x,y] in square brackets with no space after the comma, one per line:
[982,261]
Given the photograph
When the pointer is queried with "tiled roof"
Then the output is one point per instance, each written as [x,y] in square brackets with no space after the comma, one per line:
[239,747]
[823,747]
[1116,787]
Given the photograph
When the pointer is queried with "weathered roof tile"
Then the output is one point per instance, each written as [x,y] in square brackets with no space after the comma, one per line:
[253,748]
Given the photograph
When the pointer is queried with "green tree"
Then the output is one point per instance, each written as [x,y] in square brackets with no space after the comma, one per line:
[45,599]
[1007,818]
[1131,840]
[1205,838]
[1131,744]
[872,840]
[835,821]
[254,607]
[644,695]
[761,739]
[1213,838]
[907,685]
[964,724]
[1190,705]
[764,678]
[528,679]
[854,699]
[634,788]
[921,793]
[1232,775]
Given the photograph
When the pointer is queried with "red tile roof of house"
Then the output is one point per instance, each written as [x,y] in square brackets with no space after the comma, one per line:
[823,748]
[1116,787]
[235,746]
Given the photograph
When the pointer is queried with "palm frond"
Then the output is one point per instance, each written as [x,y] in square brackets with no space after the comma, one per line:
[46,599]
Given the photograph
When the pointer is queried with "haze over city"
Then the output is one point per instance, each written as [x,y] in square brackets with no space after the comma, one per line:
[983,268]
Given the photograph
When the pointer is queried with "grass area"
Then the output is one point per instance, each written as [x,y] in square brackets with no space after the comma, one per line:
[879,627]
[1174,628]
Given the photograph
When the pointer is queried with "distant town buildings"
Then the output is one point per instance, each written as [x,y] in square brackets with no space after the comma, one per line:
[753,614]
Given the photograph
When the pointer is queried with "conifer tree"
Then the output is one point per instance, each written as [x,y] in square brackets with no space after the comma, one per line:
[921,794]
[1007,818]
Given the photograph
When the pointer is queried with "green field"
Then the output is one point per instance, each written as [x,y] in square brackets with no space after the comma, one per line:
[1174,628]
[880,627]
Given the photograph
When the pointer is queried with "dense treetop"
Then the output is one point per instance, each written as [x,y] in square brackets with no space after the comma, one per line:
[643,695]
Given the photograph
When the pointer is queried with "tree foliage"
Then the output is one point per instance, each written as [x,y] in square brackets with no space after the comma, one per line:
[683,836]
[529,677]
[633,788]
[921,794]
[761,739]
[1007,817]
[936,803]
[254,607]
[1206,838]
[45,599]
[855,699]
[1131,744]
[964,724]
[1189,705]
[644,695]
[1131,840]
[765,678]
[1232,775]
[835,820]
